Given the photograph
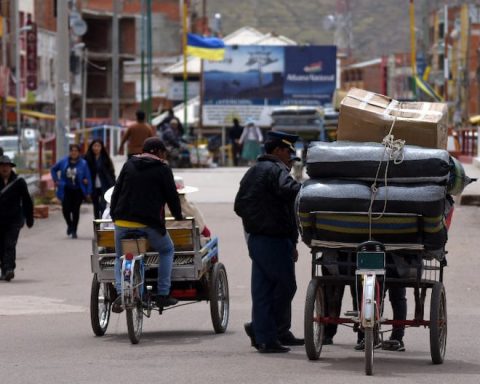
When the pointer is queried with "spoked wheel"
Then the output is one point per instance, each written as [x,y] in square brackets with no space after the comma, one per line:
[369,347]
[314,330]
[100,305]
[438,323]
[134,310]
[219,298]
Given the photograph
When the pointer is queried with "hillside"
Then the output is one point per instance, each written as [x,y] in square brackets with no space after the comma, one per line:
[378,26]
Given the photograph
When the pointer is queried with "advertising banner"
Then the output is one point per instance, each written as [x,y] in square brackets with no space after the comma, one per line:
[252,80]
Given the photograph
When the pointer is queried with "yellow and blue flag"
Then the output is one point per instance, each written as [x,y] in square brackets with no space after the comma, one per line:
[208,48]
[423,86]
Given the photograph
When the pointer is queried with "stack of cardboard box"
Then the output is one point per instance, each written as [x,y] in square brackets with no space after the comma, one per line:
[368,117]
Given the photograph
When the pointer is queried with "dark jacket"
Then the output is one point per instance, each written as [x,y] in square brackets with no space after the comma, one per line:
[265,200]
[15,203]
[144,186]
[104,168]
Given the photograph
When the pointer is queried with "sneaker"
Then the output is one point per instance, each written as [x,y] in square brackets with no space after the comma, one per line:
[165,301]
[117,305]
[360,345]
[74,235]
[9,275]
[69,230]
[393,345]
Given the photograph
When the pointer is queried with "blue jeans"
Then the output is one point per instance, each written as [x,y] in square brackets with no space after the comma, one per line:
[161,244]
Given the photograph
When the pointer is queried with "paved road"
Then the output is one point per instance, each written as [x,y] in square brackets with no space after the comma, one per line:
[45,333]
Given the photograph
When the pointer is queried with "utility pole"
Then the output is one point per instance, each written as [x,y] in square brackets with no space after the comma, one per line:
[149,60]
[18,72]
[62,85]
[84,87]
[446,73]
[115,63]
[142,60]
[4,67]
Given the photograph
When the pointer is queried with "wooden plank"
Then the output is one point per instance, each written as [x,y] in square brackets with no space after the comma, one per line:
[182,236]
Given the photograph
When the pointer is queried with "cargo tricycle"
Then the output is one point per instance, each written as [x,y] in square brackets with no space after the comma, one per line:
[366,267]
[197,275]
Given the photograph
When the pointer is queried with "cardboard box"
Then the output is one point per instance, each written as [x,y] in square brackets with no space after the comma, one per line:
[367,117]
[134,246]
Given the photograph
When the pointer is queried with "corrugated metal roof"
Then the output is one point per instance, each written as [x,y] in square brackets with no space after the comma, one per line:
[364,63]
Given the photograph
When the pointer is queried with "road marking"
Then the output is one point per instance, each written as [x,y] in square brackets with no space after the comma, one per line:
[35,305]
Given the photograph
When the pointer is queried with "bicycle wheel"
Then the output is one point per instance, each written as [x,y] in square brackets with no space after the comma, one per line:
[219,298]
[438,323]
[369,347]
[134,310]
[100,305]
[314,329]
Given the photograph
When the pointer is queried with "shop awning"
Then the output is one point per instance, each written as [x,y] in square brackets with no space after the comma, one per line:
[37,115]
[12,101]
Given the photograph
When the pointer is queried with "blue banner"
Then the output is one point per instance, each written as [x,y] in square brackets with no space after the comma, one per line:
[271,75]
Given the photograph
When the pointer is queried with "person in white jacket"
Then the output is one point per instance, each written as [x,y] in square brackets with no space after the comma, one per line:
[251,140]
[189,209]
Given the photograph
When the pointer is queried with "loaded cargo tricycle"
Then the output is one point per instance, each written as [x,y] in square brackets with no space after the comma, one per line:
[197,275]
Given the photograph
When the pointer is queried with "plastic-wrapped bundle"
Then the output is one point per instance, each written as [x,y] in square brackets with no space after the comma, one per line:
[458,180]
[335,210]
[360,161]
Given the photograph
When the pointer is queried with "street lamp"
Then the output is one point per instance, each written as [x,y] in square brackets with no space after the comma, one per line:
[18,75]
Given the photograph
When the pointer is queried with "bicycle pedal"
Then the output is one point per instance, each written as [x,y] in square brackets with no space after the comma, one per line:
[351,313]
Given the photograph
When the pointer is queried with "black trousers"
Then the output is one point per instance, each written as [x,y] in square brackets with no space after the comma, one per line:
[71,207]
[334,296]
[8,243]
[98,203]
[273,286]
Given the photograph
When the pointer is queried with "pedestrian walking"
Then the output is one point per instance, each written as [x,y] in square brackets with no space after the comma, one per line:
[102,173]
[74,184]
[234,135]
[265,202]
[136,135]
[16,208]
[251,140]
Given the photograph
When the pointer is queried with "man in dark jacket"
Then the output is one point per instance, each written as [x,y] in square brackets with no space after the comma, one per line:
[265,202]
[16,207]
[144,186]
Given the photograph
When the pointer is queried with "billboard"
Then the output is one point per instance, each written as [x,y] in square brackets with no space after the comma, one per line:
[252,80]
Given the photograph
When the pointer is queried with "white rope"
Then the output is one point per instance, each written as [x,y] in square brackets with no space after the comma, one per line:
[395,153]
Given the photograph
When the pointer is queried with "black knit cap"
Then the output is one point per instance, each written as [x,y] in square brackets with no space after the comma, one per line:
[153,145]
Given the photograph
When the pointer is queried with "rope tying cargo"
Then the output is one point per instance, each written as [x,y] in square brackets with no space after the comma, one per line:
[395,153]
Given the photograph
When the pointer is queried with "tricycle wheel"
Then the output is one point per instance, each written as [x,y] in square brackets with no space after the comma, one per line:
[100,304]
[369,346]
[219,299]
[314,329]
[135,309]
[438,323]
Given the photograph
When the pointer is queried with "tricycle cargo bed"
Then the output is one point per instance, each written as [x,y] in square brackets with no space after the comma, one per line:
[192,257]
